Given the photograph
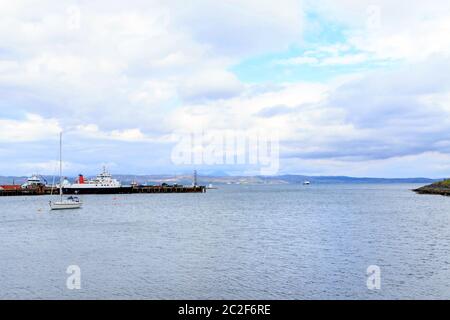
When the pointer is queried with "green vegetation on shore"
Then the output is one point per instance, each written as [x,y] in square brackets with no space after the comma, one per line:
[445,183]
[440,188]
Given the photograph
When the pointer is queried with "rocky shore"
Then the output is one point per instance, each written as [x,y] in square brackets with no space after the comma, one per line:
[440,188]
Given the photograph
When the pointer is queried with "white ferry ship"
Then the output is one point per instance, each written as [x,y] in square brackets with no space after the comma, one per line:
[103,183]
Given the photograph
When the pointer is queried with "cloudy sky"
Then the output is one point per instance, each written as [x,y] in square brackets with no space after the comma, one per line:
[351,87]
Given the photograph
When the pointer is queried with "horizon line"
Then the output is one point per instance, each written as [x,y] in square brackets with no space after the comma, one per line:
[236,176]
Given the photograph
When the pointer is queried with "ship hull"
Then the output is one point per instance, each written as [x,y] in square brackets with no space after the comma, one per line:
[64,205]
[118,190]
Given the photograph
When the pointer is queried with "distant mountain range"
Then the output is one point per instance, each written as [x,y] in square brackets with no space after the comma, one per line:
[217,180]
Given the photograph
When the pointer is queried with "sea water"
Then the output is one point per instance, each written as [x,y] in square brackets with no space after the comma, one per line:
[237,242]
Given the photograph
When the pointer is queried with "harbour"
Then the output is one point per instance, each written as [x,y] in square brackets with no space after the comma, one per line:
[103,183]
[40,191]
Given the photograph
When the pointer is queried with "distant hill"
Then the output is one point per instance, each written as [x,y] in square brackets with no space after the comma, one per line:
[217,180]
[345,179]
[12,180]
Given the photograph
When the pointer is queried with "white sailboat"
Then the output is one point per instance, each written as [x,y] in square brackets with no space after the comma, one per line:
[70,202]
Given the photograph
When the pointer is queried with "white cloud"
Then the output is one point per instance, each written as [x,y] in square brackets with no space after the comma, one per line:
[49,167]
[380,32]
[345,60]
[326,61]
[152,91]
[241,113]
[367,119]
[92,131]
[299,61]
[429,164]
[32,128]
[393,30]
[210,84]
[121,73]
[240,28]
[79,61]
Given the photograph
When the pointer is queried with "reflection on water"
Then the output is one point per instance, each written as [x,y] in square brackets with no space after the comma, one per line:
[238,242]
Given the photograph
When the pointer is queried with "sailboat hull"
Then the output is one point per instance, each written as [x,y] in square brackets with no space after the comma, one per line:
[65,205]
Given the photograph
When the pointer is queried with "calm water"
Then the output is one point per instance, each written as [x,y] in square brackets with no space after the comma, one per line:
[239,242]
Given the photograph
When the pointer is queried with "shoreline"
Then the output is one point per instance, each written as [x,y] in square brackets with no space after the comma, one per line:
[438,188]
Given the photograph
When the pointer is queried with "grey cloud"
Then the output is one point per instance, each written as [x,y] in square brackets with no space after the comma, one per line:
[270,112]
[244,27]
[391,105]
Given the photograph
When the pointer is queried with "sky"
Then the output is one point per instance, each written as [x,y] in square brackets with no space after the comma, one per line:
[350,87]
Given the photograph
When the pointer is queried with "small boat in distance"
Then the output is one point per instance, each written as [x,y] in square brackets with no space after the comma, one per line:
[306,183]
[70,202]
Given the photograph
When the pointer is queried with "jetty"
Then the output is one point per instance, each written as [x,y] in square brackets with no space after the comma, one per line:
[40,190]
[103,183]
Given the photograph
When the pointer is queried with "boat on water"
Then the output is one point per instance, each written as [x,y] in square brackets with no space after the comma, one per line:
[103,183]
[68,203]
[64,203]
[34,181]
[306,183]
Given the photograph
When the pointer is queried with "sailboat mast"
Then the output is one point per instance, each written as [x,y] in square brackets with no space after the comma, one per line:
[60,166]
